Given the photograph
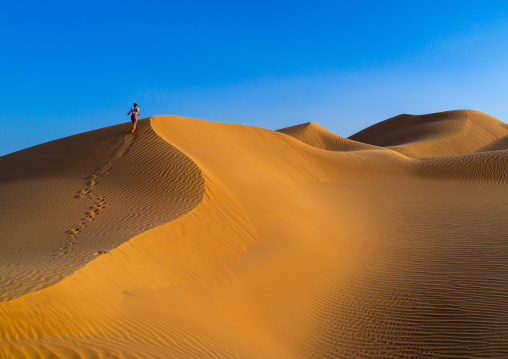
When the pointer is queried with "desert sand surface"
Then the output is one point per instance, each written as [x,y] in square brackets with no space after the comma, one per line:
[196,239]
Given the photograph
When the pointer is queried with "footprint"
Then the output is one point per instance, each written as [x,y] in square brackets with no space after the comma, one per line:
[72,231]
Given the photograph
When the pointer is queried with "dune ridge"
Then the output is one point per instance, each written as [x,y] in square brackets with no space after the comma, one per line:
[295,245]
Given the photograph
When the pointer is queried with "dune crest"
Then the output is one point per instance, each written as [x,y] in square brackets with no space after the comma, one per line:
[248,243]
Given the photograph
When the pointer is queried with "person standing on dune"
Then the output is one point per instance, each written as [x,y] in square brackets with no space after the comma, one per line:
[134,116]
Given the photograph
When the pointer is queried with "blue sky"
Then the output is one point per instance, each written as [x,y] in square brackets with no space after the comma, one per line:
[73,66]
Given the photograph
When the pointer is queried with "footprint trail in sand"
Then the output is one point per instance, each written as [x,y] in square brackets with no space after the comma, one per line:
[99,202]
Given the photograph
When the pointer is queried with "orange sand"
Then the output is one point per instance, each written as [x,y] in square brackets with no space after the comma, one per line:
[194,239]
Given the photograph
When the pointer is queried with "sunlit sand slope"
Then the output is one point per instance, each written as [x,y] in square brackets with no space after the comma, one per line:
[436,134]
[294,248]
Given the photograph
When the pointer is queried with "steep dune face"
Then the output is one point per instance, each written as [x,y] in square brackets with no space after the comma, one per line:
[289,251]
[437,134]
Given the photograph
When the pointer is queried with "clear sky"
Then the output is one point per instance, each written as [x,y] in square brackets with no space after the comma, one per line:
[73,66]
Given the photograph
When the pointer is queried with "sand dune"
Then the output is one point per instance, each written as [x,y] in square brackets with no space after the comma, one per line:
[314,135]
[195,239]
[436,134]
[71,199]
[497,144]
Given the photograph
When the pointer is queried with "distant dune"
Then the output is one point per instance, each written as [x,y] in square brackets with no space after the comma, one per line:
[196,239]
[314,135]
[436,134]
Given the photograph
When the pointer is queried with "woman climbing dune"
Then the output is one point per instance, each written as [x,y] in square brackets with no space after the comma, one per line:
[134,116]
